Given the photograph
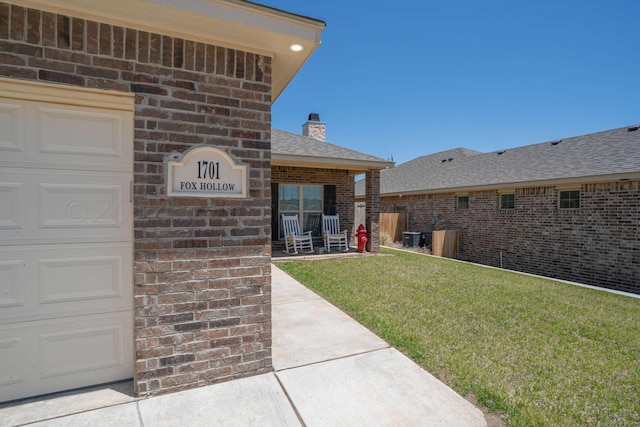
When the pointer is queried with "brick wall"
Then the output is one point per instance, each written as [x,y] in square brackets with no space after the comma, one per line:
[343,181]
[202,266]
[599,244]
[372,215]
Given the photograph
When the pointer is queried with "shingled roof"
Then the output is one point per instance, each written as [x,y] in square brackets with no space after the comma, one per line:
[297,150]
[608,154]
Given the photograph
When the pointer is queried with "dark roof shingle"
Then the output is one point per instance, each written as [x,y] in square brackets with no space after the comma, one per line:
[283,142]
[604,153]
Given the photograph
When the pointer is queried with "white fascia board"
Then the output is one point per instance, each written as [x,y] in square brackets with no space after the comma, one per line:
[632,176]
[328,162]
[229,23]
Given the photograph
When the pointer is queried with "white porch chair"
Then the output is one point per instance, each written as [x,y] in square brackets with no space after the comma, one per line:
[295,241]
[332,235]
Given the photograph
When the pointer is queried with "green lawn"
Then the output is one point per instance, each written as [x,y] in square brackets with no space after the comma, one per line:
[535,351]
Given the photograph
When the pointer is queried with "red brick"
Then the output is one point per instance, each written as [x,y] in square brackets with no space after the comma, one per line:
[178,53]
[77,34]
[143,47]
[167,51]
[118,34]
[33,26]
[220,60]
[200,56]
[104,40]
[130,44]
[17,19]
[5,19]
[189,55]
[230,63]
[155,49]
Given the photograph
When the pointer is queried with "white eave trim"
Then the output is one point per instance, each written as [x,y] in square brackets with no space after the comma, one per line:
[328,162]
[632,176]
[234,24]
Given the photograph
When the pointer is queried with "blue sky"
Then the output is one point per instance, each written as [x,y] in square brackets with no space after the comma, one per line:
[409,78]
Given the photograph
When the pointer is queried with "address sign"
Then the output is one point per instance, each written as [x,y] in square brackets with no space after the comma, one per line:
[205,171]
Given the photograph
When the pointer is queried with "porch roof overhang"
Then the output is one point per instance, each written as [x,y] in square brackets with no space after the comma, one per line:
[236,24]
[356,166]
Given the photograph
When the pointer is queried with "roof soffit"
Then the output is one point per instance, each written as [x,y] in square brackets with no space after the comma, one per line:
[235,24]
[328,162]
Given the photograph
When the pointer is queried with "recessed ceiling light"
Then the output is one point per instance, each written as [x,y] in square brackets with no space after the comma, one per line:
[296,47]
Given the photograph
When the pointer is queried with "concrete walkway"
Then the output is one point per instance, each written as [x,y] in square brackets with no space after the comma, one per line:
[329,371]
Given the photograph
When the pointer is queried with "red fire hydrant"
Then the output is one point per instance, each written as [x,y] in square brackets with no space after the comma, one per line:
[361,235]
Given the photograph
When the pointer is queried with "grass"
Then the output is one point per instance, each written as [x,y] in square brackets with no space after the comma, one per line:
[535,351]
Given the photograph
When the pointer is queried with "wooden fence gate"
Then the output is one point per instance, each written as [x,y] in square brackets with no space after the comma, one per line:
[393,225]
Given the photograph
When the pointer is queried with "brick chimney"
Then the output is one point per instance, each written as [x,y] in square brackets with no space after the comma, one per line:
[314,128]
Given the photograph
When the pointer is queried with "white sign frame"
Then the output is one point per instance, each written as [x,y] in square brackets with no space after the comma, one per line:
[205,171]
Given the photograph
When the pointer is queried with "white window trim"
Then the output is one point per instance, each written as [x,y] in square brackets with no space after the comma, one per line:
[301,210]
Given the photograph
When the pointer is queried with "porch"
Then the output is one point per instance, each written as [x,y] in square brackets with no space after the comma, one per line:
[311,177]
[278,253]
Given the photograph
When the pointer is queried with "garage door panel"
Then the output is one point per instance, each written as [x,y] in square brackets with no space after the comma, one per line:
[98,347]
[65,130]
[41,281]
[80,279]
[79,205]
[12,350]
[11,195]
[11,127]
[64,207]
[12,277]
[52,355]
[64,136]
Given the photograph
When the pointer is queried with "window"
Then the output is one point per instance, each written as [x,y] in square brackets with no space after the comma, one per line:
[463,202]
[305,201]
[308,201]
[507,201]
[569,199]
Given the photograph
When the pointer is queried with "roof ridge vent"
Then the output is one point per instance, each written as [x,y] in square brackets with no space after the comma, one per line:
[556,142]
[633,128]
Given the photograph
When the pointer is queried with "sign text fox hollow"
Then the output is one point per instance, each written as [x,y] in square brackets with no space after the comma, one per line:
[205,171]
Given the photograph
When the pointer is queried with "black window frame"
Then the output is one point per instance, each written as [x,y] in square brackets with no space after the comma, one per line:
[507,205]
[569,200]
[459,205]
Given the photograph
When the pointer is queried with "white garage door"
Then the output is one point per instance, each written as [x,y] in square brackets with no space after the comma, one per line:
[66,293]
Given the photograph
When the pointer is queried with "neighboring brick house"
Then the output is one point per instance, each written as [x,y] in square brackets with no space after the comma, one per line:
[567,209]
[310,176]
[103,275]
